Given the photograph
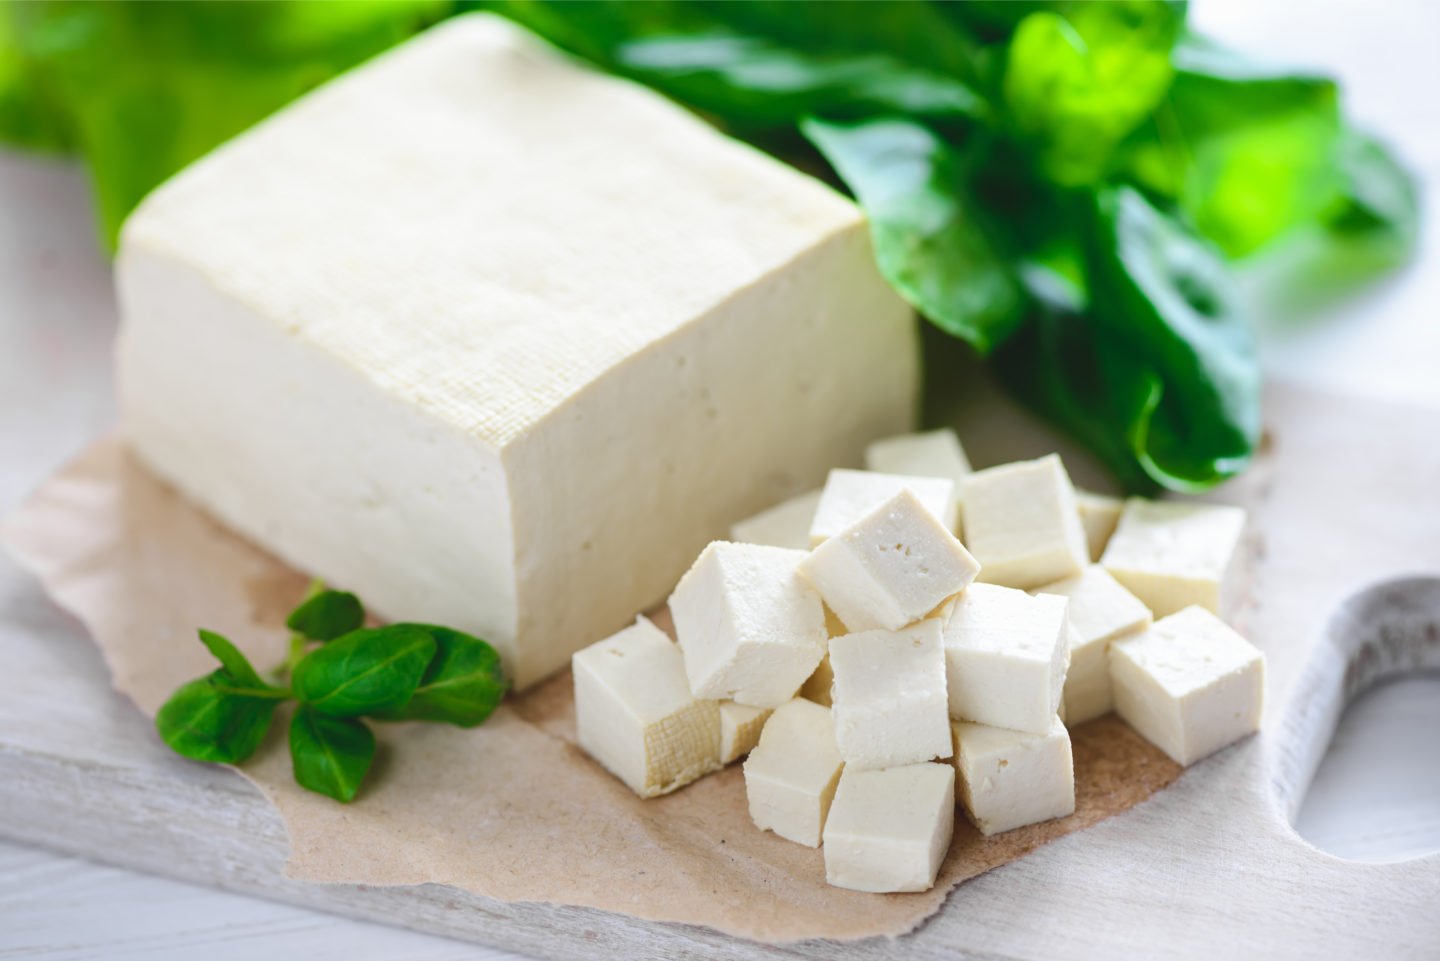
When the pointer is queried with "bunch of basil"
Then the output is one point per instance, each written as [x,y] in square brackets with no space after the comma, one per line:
[1061,185]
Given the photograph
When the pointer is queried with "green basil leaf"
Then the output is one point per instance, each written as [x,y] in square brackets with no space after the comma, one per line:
[1379,199]
[330,755]
[240,673]
[29,114]
[327,615]
[931,239]
[463,684]
[369,670]
[204,723]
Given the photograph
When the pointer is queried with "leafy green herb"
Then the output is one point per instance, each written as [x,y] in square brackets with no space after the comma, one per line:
[403,672]
[331,755]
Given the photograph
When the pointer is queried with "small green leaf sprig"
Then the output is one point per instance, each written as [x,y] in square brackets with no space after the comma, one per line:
[340,673]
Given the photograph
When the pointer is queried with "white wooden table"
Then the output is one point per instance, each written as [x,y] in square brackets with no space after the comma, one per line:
[1377,796]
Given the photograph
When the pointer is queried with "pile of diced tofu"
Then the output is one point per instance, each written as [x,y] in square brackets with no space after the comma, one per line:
[921,612]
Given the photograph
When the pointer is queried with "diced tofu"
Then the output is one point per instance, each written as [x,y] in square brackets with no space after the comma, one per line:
[751,628]
[1190,685]
[790,776]
[851,494]
[635,715]
[1101,610]
[740,727]
[931,453]
[787,524]
[1022,523]
[817,686]
[889,705]
[1008,779]
[1005,657]
[890,830]
[891,568]
[1172,554]
[1099,513]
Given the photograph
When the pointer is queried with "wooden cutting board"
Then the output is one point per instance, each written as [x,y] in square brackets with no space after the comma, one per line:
[1345,509]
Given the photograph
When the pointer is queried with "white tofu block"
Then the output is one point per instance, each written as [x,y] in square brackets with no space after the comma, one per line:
[740,727]
[1172,554]
[818,687]
[791,774]
[1008,779]
[849,495]
[931,453]
[891,568]
[1099,513]
[1101,610]
[890,830]
[1190,685]
[787,524]
[889,704]
[1022,523]
[751,628]
[1005,657]
[493,361]
[635,715]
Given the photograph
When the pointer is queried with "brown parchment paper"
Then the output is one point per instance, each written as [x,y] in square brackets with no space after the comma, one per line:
[513,810]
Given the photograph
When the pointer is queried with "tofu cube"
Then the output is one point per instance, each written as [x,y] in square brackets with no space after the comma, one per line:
[1099,513]
[790,776]
[818,686]
[1101,610]
[889,830]
[1005,657]
[891,568]
[1022,523]
[787,524]
[634,712]
[751,628]
[1190,685]
[740,727]
[1172,554]
[889,705]
[931,453]
[1008,779]
[849,495]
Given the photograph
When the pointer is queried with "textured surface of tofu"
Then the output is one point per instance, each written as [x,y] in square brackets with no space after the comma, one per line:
[635,715]
[1190,685]
[889,704]
[1099,513]
[931,453]
[740,727]
[889,830]
[1172,554]
[1100,611]
[491,361]
[891,567]
[1008,779]
[1022,524]
[787,524]
[791,774]
[1005,655]
[849,495]
[751,628]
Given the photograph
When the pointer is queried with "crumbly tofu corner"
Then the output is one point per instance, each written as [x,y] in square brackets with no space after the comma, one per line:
[849,495]
[1022,523]
[1172,554]
[889,830]
[1008,779]
[1101,610]
[740,727]
[791,774]
[634,712]
[890,707]
[1099,513]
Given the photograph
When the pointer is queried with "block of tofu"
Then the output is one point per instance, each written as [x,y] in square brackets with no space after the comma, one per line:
[1100,611]
[791,774]
[849,495]
[740,727]
[818,687]
[890,568]
[889,704]
[751,628]
[1099,513]
[1005,657]
[1190,685]
[931,453]
[1172,554]
[890,830]
[634,712]
[1022,524]
[1008,779]
[787,524]
[473,330]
